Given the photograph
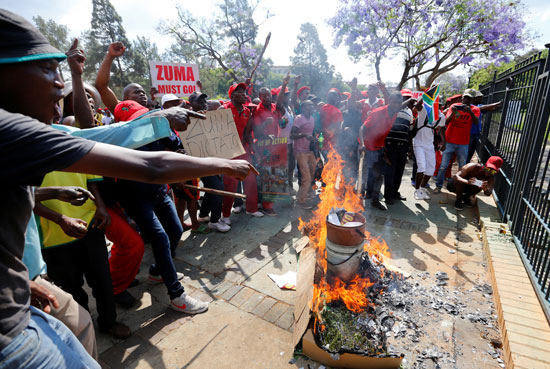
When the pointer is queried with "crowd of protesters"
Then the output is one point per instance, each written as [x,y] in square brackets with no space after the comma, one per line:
[120,173]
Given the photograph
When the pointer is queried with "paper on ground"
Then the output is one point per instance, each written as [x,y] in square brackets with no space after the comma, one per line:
[286,281]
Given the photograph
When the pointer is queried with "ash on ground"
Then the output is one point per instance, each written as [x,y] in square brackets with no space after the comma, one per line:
[404,316]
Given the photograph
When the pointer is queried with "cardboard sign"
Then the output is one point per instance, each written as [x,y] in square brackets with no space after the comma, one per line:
[179,79]
[273,169]
[216,136]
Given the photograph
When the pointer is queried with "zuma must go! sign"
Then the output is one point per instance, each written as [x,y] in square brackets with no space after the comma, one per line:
[179,79]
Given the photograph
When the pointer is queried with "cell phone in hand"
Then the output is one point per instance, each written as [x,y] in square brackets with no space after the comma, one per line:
[478,183]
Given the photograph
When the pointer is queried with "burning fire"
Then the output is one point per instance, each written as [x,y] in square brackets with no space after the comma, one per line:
[339,194]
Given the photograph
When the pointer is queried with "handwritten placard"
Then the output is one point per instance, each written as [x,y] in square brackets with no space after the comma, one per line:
[216,136]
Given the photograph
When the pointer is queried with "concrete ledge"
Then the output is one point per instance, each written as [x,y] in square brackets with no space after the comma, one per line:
[524,328]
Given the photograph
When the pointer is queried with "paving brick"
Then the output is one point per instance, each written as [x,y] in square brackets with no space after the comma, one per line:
[134,347]
[287,319]
[521,361]
[151,333]
[264,306]
[542,334]
[241,297]
[529,341]
[221,288]
[201,295]
[113,356]
[527,314]
[522,320]
[231,291]
[530,352]
[275,312]
[169,321]
[252,302]
[235,277]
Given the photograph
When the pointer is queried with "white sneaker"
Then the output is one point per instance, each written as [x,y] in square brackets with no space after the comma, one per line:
[158,278]
[425,195]
[219,226]
[437,189]
[225,220]
[257,214]
[237,209]
[203,219]
[418,194]
[188,304]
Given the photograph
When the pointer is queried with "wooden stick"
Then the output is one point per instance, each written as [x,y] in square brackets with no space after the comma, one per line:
[360,174]
[261,55]
[215,192]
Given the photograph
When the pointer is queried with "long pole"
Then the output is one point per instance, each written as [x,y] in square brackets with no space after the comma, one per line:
[215,192]
[261,56]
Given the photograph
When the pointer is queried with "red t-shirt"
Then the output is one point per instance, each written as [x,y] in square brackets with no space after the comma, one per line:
[331,117]
[459,125]
[377,127]
[241,119]
[366,107]
[262,113]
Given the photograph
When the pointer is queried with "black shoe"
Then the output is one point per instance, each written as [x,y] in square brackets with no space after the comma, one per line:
[134,283]
[125,299]
[376,203]
[400,197]
[468,202]
[459,205]
[389,201]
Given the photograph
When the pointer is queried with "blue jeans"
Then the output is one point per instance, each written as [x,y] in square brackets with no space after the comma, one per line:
[45,343]
[159,223]
[461,154]
[474,143]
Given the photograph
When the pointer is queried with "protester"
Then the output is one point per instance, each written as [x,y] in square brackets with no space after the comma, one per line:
[372,137]
[397,149]
[265,124]
[331,121]
[302,134]
[29,337]
[475,132]
[373,101]
[456,136]
[241,117]
[424,150]
[473,178]
[92,98]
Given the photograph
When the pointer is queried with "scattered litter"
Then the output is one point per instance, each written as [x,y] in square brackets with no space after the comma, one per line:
[292,361]
[286,281]
[282,353]
[451,251]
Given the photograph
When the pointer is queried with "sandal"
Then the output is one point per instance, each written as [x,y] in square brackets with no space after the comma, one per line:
[203,229]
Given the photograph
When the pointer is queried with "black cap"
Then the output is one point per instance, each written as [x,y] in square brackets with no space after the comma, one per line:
[20,41]
[195,96]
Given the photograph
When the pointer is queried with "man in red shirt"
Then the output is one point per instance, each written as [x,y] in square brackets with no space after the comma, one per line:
[373,101]
[372,137]
[456,137]
[331,120]
[241,116]
[265,123]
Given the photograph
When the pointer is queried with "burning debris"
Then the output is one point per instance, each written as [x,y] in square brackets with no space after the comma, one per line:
[360,305]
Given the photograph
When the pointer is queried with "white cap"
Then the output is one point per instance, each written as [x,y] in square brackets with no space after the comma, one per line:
[168,97]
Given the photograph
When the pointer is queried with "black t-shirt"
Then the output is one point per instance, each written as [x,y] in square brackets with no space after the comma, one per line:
[28,150]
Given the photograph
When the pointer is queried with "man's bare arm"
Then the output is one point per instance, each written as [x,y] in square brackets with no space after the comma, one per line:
[109,98]
[154,167]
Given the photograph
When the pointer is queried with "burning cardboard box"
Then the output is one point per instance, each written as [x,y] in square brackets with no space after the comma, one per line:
[342,284]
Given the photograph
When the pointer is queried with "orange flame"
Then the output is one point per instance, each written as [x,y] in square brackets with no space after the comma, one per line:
[340,194]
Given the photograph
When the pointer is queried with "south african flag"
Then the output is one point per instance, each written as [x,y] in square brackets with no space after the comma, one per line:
[430,98]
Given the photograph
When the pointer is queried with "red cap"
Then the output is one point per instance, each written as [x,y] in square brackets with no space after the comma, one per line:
[275,91]
[346,94]
[364,93]
[234,87]
[302,89]
[334,89]
[494,162]
[128,110]
[406,92]
[286,89]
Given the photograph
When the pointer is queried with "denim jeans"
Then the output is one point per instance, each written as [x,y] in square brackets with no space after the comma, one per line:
[212,204]
[159,223]
[474,143]
[376,167]
[45,343]
[461,154]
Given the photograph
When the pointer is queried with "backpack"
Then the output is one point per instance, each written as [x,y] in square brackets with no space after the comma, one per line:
[415,129]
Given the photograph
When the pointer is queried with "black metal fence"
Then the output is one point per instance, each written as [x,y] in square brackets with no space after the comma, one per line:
[519,132]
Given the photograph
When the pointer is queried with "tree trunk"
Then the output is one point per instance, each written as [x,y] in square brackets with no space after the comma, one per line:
[417,80]
[377,68]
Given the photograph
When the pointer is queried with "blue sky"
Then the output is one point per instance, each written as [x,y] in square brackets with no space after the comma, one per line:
[142,19]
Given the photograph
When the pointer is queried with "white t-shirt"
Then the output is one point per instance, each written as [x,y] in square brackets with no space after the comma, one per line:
[425,136]
[285,132]
[106,120]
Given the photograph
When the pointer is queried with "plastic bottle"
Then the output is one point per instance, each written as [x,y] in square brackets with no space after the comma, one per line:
[321,140]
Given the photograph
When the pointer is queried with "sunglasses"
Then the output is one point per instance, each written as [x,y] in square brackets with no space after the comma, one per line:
[491,170]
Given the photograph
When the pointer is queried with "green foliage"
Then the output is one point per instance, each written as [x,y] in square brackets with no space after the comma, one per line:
[106,27]
[57,35]
[310,60]
[143,51]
